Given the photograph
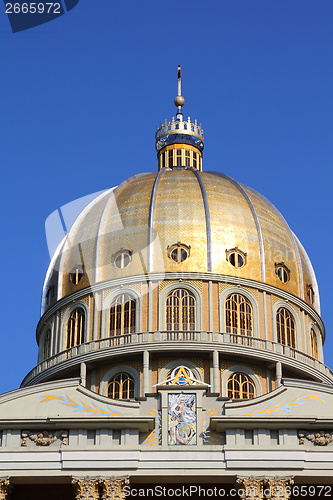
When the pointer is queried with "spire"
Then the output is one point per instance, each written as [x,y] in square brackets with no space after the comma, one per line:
[179,100]
[179,143]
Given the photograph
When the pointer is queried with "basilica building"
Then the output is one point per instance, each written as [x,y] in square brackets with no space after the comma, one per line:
[180,348]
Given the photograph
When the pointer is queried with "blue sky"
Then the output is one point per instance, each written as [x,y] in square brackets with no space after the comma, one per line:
[82,95]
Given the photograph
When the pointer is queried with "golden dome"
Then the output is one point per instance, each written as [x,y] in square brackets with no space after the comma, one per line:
[129,231]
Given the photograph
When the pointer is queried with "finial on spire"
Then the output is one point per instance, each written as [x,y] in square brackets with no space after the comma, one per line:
[179,100]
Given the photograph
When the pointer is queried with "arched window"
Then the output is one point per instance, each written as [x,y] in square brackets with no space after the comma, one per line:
[285,327]
[180,310]
[75,328]
[240,386]
[314,344]
[47,345]
[238,315]
[122,315]
[121,386]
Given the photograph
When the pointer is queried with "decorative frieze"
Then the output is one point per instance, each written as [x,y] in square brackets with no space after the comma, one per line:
[5,488]
[43,438]
[320,438]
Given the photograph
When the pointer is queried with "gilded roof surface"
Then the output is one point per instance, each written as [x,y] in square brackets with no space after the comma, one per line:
[207,211]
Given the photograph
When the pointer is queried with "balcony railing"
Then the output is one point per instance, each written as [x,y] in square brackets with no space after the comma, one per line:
[236,343]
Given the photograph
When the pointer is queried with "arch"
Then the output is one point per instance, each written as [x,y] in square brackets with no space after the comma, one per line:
[47,345]
[108,303]
[240,386]
[285,327]
[180,310]
[121,386]
[110,374]
[178,362]
[238,315]
[237,290]
[180,285]
[231,370]
[46,332]
[75,328]
[122,315]
[314,330]
[314,344]
[65,320]
[281,304]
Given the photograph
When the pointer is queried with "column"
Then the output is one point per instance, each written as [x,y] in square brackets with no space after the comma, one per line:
[145,372]
[114,488]
[83,374]
[216,372]
[210,305]
[279,487]
[278,374]
[5,488]
[250,488]
[85,488]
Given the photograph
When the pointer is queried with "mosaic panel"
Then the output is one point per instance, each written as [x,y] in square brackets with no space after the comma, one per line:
[182,419]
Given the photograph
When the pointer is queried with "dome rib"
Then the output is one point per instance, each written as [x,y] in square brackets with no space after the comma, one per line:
[111,193]
[207,216]
[151,219]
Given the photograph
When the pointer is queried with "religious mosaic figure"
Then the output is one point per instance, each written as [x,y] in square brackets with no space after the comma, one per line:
[182,419]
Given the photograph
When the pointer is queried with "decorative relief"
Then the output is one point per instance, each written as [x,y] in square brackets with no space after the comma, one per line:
[44,438]
[5,488]
[320,438]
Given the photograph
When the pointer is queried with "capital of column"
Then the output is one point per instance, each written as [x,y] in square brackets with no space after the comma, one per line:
[113,488]
[279,487]
[85,488]
[250,488]
[269,488]
[5,488]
